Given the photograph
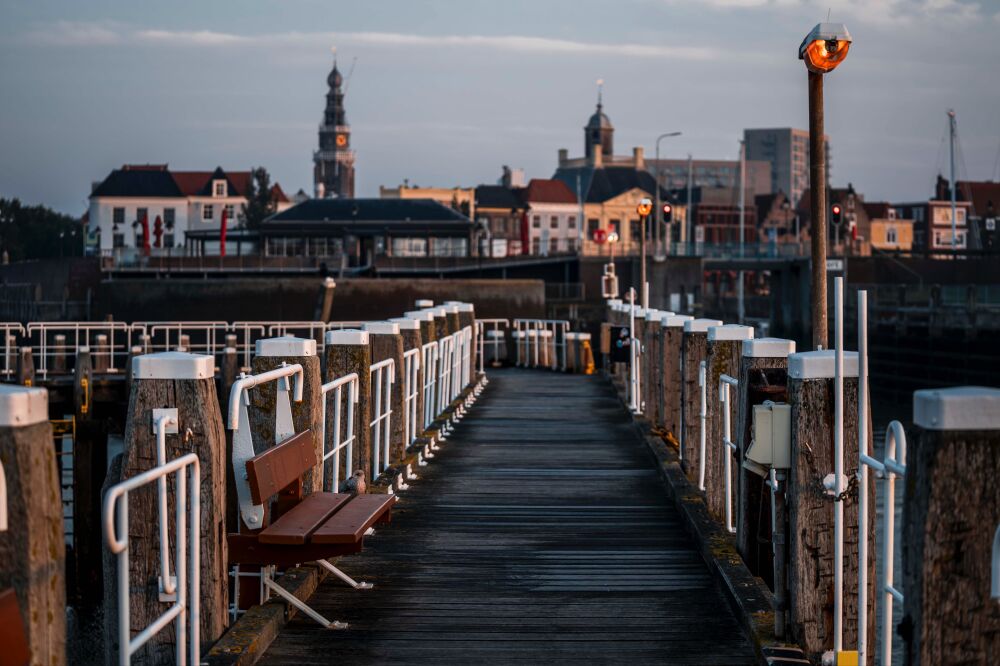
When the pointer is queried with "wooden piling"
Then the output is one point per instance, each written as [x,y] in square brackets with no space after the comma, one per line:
[811,507]
[348,350]
[951,513]
[694,350]
[58,363]
[386,342]
[467,319]
[671,379]
[572,351]
[101,354]
[324,304]
[25,370]
[723,354]
[409,331]
[32,547]
[184,382]
[651,331]
[763,376]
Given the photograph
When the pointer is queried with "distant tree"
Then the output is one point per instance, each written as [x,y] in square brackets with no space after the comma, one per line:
[259,203]
[37,232]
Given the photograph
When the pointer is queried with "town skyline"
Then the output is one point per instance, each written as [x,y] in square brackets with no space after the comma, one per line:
[260,100]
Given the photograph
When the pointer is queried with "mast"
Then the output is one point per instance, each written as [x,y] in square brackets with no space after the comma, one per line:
[951,150]
[689,207]
[743,193]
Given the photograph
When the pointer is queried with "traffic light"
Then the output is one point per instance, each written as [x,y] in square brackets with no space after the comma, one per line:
[668,213]
[837,214]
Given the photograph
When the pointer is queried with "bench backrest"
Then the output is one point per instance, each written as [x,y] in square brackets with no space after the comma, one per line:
[281,466]
[12,636]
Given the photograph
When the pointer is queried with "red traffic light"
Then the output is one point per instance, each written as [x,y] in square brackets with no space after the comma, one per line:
[668,213]
[836,209]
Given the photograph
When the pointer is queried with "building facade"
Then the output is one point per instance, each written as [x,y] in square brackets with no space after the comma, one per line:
[333,163]
[500,212]
[553,217]
[787,151]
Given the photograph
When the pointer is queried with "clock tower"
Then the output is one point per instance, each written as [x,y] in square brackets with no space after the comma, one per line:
[333,173]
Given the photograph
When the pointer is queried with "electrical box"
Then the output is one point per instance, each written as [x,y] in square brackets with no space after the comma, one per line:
[771,435]
[609,282]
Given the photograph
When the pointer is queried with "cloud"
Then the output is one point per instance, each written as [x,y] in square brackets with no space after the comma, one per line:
[874,12]
[97,34]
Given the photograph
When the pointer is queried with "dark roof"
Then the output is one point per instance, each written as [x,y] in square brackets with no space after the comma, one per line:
[547,190]
[601,184]
[369,217]
[599,120]
[141,181]
[877,209]
[497,196]
[984,195]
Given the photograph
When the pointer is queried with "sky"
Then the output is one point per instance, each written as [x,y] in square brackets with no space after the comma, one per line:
[445,92]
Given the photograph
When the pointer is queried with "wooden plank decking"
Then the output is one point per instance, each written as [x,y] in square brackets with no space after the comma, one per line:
[540,532]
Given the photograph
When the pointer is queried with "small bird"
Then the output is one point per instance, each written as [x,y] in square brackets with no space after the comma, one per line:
[354,484]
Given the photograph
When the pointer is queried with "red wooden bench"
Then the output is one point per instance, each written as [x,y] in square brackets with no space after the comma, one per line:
[299,529]
[14,642]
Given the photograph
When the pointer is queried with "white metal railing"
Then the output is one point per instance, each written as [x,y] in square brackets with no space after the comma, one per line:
[429,360]
[459,363]
[467,358]
[411,390]
[45,346]
[3,499]
[445,350]
[12,333]
[557,329]
[342,433]
[702,418]
[728,446]
[183,589]
[498,327]
[382,378]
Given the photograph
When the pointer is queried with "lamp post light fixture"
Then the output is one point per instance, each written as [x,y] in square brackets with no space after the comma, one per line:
[658,219]
[644,208]
[823,49]
[612,239]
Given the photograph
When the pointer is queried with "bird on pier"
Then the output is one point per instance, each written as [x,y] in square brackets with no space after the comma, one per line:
[354,484]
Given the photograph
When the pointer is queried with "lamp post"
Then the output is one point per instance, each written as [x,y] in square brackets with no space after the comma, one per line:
[644,208]
[823,49]
[658,216]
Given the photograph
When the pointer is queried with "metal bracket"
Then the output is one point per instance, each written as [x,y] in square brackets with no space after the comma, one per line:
[172,423]
[252,514]
[165,596]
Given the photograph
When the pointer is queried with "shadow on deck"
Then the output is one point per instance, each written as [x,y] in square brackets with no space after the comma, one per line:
[541,531]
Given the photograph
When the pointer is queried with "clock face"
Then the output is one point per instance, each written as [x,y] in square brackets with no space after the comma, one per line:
[341,140]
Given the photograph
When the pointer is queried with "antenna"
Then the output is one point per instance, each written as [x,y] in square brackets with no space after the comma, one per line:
[347,81]
[600,90]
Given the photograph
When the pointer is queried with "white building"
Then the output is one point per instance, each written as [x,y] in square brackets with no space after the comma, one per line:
[553,216]
[172,203]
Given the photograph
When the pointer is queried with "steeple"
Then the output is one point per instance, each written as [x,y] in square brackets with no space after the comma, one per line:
[333,173]
[599,131]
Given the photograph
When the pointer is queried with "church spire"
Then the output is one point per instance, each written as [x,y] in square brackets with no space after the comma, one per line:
[333,173]
[599,131]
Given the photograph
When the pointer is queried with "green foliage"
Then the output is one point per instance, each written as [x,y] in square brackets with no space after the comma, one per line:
[37,232]
[259,203]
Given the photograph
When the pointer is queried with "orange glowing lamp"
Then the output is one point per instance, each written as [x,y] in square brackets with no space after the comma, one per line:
[825,47]
[645,207]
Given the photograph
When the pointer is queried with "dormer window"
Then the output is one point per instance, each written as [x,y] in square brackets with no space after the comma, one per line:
[219,188]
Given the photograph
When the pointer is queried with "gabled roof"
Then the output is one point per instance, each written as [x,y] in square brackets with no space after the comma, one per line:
[547,190]
[984,195]
[370,217]
[877,210]
[601,184]
[278,195]
[199,183]
[497,196]
[138,181]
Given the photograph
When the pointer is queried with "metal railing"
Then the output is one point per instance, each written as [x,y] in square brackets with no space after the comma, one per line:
[445,351]
[382,377]
[47,347]
[11,332]
[728,446]
[484,329]
[533,328]
[342,433]
[411,390]
[702,419]
[3,499]
[182,589]
[429,360]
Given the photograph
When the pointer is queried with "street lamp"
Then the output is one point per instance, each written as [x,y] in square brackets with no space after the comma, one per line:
[644,208]
[660,252]
[823,49]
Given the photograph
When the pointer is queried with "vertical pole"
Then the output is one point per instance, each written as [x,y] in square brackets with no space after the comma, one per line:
[657,214]
[838,468]
[743,186]
[863,477]
[817,193]
[951,152]
[687,207]
[643,219]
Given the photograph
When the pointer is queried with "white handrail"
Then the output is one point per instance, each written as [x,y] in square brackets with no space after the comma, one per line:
[3,499]
[332,483]
[481,330]
[383,377]
[411,390]
[185,611]
[702,418]
[429,353]
[728,446]
[248,382]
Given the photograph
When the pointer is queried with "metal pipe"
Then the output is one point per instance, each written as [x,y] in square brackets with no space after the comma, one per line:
[250,381]
[838,468]
[995,566]
[702,417]
[863,477]
[894,435]
[728,447]
[778,548]
[817,194]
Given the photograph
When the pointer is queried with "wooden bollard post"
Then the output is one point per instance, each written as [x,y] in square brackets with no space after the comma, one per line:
[670,397]
[763,376]
[324,304]
[650,364]
[723,353]
[811,506]
[694,350]
[951,512]
[101,354]
[25,367]
[409,331]
[451,312]
[184,342]
[441,323]
[32,549]
[185,382]
[348,351]
[572,350]
[133,352]
[386,342]
[227,375]
[427,334]
[58,354]
[271,353]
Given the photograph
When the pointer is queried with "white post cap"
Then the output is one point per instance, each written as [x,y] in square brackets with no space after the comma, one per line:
[286,345]
[450,309]
[381,327]
[23,405]
[347,336]
[420,315]
[700,325]
[583,336]
[440,312]
[730,332]
[572,336]
[768,348]
[614,301]
[423,303]
[173,365]
[329,283]
[958,408]
[406,323]
[819,364]
[674,320]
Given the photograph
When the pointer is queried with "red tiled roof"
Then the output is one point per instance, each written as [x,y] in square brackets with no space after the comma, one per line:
[193,183]
[278,194]
[548,190]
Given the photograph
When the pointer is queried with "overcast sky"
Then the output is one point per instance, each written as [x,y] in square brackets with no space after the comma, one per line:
[445,92]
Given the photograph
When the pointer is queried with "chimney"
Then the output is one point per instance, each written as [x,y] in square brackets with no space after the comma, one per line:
[563,156]
[638,156]
[598,155]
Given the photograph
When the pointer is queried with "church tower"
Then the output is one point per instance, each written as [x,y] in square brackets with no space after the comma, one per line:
[598,131]
[333,174]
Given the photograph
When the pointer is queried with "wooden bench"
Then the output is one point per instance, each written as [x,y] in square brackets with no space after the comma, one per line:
[300,529]
[12,635]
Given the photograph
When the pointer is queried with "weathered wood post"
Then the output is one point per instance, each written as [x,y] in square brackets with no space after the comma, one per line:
[90,462]
[32,549]
[672,326]
[723,356]
[572,351]
[386,342]
[101,354]
[185,382]
[694,350]
[25,371]
[811,565]
[409,331]
[58,354]
[271,353]
[324,304]
[763,376]
[348,351]
[428,334]
[951,513]
[651,364]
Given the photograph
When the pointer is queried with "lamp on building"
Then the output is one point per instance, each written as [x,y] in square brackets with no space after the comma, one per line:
[823,49]
[644,208]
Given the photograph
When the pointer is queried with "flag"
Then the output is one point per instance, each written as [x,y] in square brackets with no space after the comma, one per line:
[222,234]
[157,231]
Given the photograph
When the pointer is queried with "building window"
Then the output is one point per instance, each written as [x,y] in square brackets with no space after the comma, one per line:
[169,217]
[141,214]
[118,239]
[168,240]
[553,245]
[918,214]
[554,222]
[571,221]
[635,229]
[218,188]
[118,216]
[890,235]
[208,212]
[959,216]
[409,247]
[535,246]
[615,226]
[536,222]
[593,225]
[449,247]
[230,212]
